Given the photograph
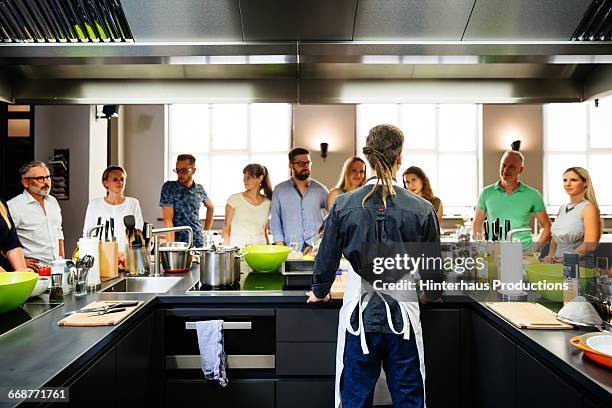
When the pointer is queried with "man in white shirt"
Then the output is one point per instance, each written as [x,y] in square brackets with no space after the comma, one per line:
[37,216]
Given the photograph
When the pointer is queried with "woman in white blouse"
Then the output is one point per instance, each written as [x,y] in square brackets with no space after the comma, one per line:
[247,213]
[115,205]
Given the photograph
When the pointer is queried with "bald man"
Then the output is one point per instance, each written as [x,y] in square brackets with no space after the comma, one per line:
[509,199]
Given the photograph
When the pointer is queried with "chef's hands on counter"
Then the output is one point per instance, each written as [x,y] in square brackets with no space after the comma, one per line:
[313,299]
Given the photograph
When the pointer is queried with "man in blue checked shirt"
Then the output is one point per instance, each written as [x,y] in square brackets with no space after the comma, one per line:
[181,201]
[298,204]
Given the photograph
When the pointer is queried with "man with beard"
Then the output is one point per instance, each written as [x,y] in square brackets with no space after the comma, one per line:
[181,200]
[37,217]
[297,204]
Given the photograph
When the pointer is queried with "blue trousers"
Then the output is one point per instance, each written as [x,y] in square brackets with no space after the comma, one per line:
[400,360]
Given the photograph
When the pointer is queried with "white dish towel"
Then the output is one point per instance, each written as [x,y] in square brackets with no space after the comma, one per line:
[212,351]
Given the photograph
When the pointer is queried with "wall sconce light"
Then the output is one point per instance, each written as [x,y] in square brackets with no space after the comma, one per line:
[516,145]
[324,147]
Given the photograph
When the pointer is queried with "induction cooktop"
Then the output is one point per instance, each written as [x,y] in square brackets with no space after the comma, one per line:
[27,312]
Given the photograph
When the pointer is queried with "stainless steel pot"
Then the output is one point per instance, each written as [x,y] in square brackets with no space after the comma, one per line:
[219,266]
[175,256]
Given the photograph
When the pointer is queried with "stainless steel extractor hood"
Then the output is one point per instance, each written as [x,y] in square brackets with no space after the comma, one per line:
[319,51]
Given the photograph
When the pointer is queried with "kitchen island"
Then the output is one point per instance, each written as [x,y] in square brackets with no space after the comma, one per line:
[286,357]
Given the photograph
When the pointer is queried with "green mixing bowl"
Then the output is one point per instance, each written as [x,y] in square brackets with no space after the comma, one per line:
[553,273]
[15,288]
[266,258]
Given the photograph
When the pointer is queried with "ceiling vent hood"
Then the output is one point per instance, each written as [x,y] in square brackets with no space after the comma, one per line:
[310,51]
[596,24]
[51,21]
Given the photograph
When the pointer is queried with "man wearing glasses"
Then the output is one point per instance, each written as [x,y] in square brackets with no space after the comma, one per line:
[37,217]
[181,200]
[298,204]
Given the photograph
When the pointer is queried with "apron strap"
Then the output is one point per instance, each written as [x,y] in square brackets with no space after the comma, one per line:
[360,329]
[406,324]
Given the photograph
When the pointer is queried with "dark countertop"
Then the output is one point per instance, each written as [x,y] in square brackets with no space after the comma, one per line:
[40,351]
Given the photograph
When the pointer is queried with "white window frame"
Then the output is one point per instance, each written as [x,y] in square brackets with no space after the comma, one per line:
[218,203]
[465,211]
[552,180]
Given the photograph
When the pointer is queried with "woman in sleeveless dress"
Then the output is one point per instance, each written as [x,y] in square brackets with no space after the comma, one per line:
[577,228]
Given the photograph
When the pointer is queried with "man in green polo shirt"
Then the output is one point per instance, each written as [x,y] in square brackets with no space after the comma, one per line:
[509,199]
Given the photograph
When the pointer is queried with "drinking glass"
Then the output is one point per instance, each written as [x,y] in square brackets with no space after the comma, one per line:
[601,265]
[293,244]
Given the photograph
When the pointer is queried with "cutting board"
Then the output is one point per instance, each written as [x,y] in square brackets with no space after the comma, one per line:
[528,315]
[337,289]
[89,319]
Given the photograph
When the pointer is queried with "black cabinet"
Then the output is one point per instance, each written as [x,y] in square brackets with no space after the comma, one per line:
[306,325]
[252,393]
[304,394]
[442,340]
[96,386]
[537,386]
[304,359]
[127,374]
[493,358]
[136,356]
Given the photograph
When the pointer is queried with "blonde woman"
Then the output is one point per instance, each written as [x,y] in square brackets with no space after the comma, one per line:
[353,176]
[115,205]
[11,252]
[577,228]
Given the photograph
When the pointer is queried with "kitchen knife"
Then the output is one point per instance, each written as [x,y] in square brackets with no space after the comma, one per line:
[506,229]
[106,226]
[103,312]
[107,307]
[99,230]
[485,226]
[112,227]
[495,227]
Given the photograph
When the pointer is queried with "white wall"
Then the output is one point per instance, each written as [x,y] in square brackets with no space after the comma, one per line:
[143,151]
[67,127]
[333,124]
[97,154]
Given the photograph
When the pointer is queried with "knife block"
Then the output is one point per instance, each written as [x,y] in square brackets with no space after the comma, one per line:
[109,266]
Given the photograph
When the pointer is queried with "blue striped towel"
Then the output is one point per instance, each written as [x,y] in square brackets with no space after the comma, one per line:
[212,351]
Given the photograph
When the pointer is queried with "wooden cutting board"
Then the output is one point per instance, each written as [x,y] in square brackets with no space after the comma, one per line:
[91,319]
[337,289]
[528,315]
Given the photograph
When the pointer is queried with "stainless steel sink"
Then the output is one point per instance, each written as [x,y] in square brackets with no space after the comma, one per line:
[144,285]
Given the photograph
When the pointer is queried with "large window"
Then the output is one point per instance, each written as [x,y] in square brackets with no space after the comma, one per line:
[226,137]
[443,140]
[578,134]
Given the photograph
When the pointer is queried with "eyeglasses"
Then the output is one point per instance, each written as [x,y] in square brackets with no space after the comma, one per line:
[301,163]
[182,171]
[40,179]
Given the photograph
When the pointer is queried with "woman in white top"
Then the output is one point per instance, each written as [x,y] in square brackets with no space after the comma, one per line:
[247,213]
[115,205]
[577,228]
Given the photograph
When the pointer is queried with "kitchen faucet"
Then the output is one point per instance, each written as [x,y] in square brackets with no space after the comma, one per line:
[156,232]
[515,231]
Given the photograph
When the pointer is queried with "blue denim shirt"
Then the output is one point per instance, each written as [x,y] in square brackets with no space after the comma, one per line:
[186,203]
[297,217]
[406,218]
